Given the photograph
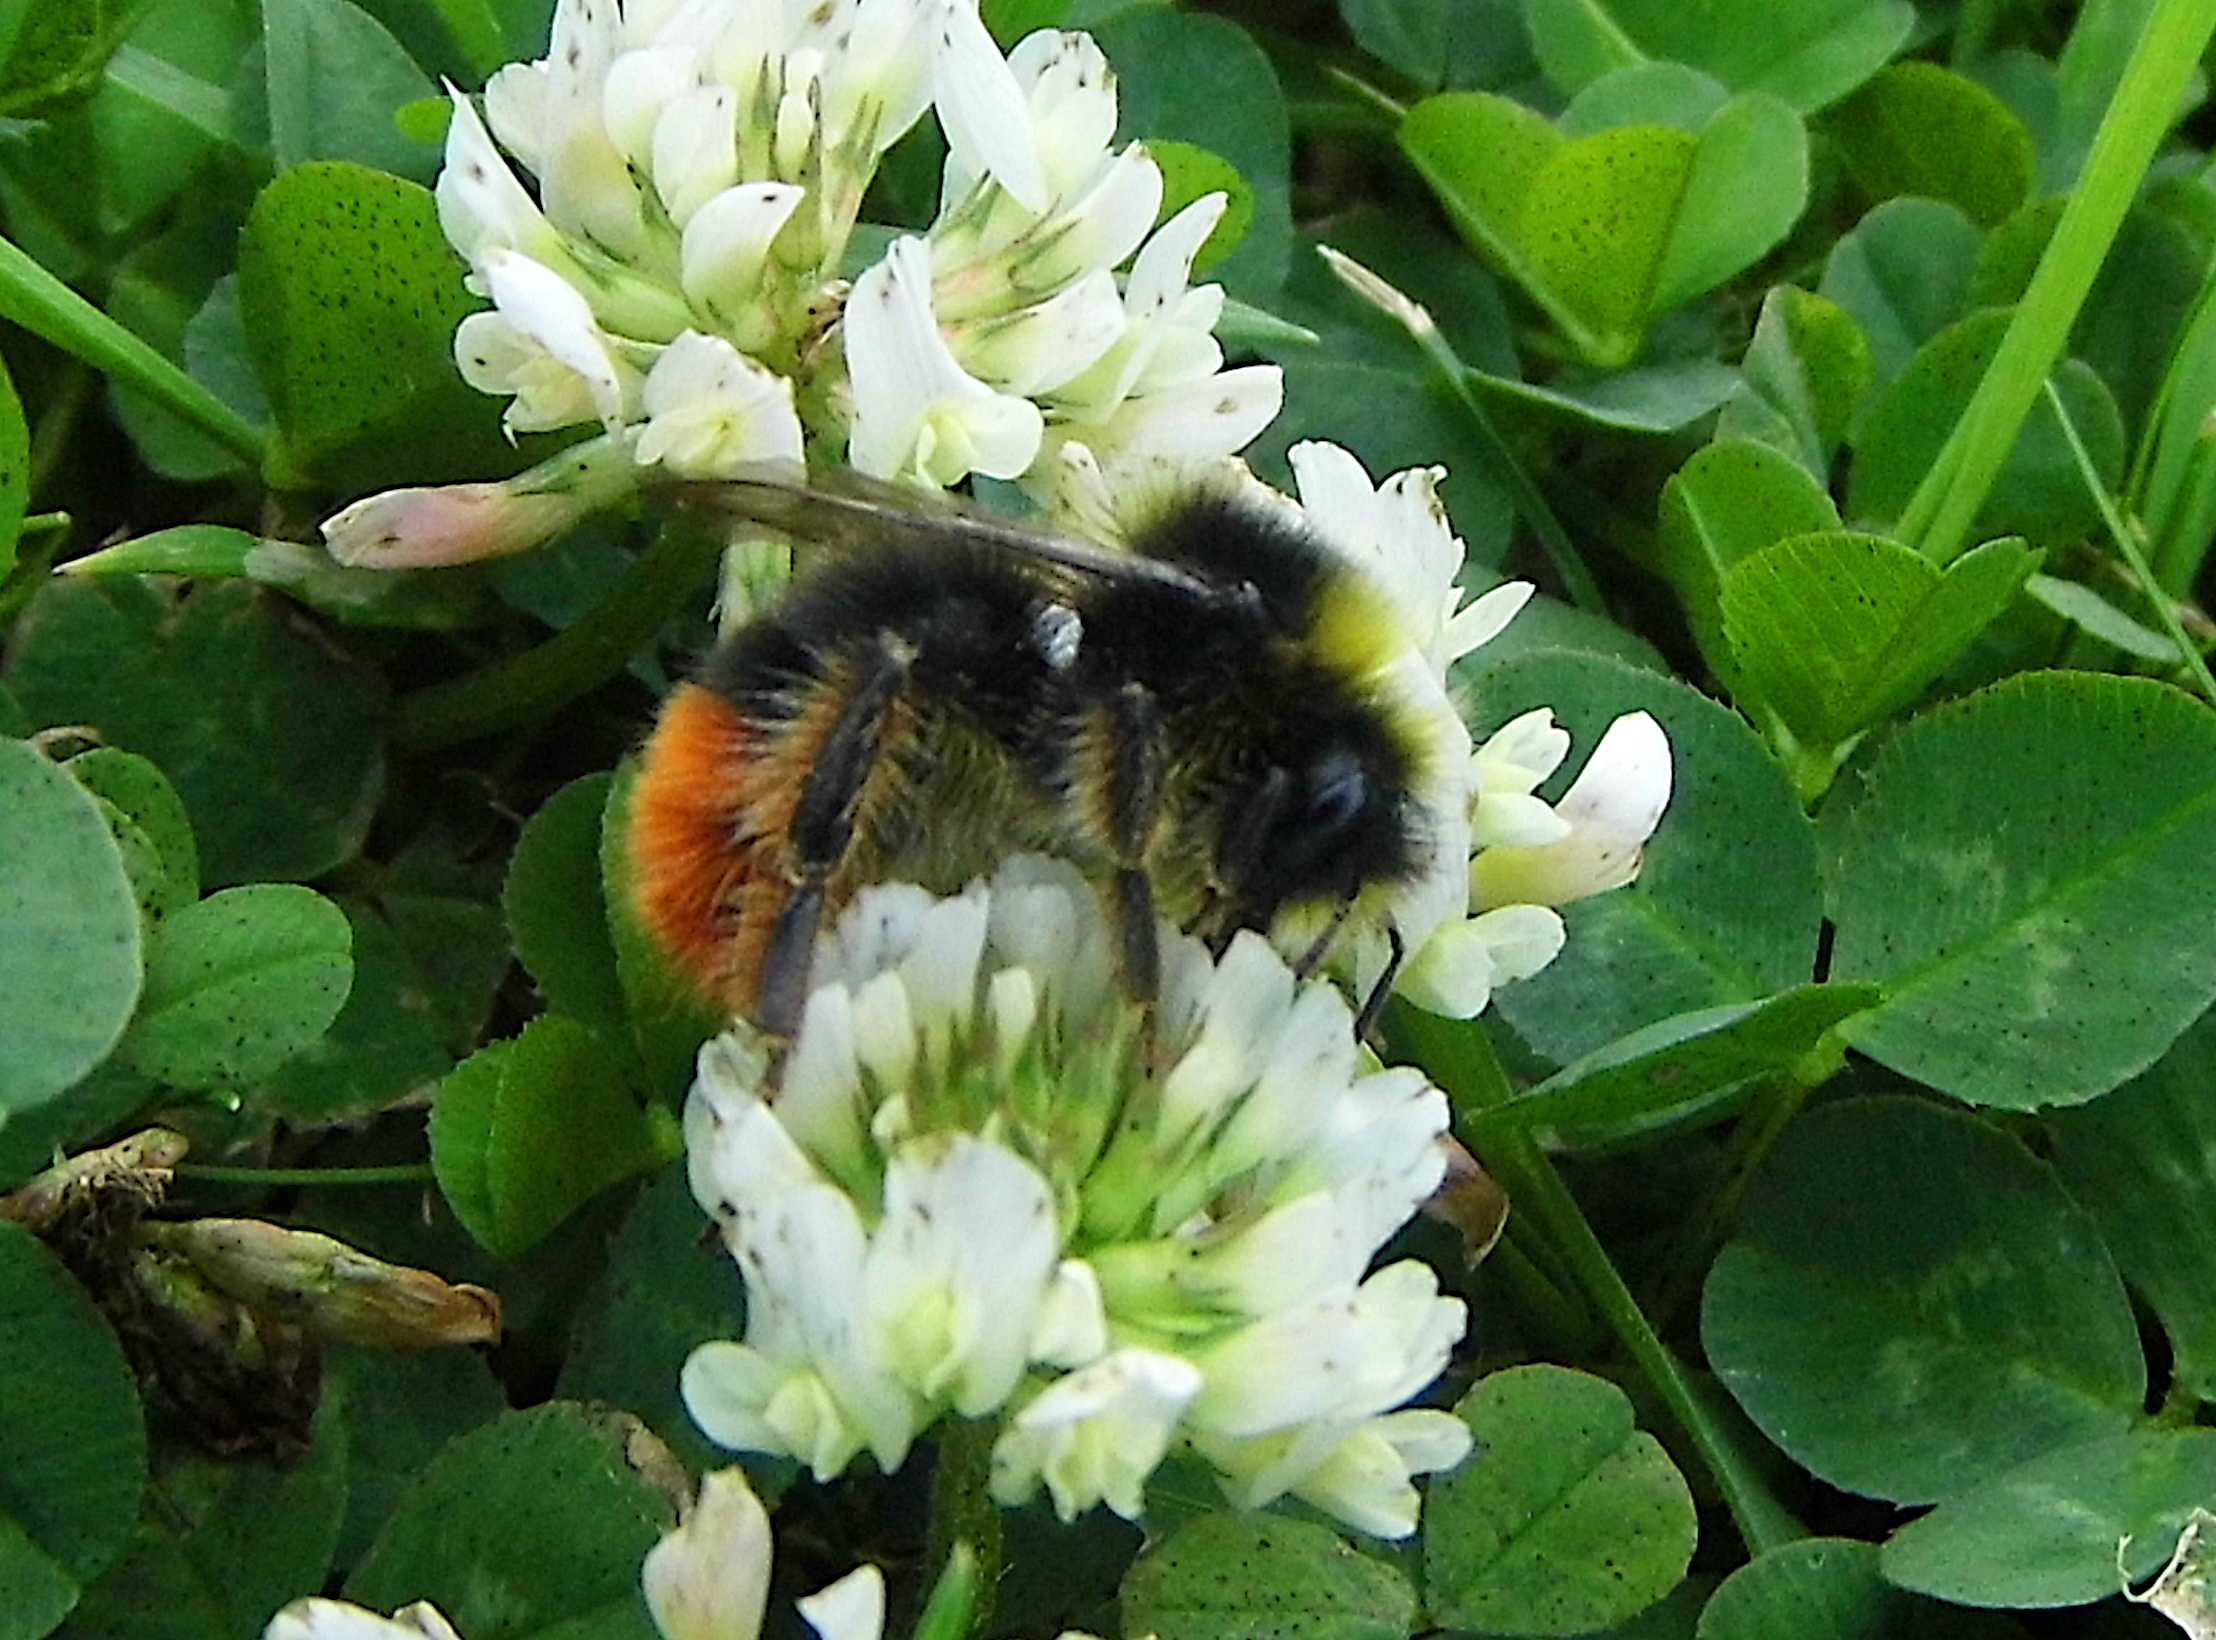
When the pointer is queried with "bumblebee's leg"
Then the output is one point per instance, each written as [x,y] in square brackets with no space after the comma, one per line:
[1239,859]
[822,827]
[1134,807]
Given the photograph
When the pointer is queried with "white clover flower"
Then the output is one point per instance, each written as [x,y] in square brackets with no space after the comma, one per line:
[709,1578]
[659,211]
[318,1619]
[1040,1219]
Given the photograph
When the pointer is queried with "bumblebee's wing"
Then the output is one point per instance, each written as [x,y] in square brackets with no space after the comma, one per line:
[845,509]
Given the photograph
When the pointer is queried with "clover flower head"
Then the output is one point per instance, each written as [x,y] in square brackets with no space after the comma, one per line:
[659,212]
[976,1189]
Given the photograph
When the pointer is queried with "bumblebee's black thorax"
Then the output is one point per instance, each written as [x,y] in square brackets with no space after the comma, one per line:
[972,621]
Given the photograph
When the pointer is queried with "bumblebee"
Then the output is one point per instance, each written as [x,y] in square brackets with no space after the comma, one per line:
[1201,723]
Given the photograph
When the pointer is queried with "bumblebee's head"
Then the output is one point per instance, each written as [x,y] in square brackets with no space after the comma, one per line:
[1322,824]
[1299,667]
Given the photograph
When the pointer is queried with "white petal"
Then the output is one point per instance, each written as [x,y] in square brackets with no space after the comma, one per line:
[640,86]
[1095,1435]
[1410,1331]
[515,109]
[853,1608]
[709,1579]
[1072,93]
[804,1257]
[726,242]
[1284,1369]
[692,25]
[316,1619]
[1191,425]
[986,117]
[1522,938]
[916,411]
[941,969]
[1427,1440]
[1515,820]
[737,1153]
[1335,493]
[874,933]
[1524,750]
[1036,349]
[885,1042]
[696,154]
[1072,1326]
[1011,1014]
[480,202]
[1159,273]
[548,310]
[875,68]
[1364,1483]
[493,356]
[1486,616]
[1307,1066]
[1385,1160]
[1282,1259]
[822,1101]
[1247,1000]
[710,412]
[1451,974]
[798,127]
[958,1267]
[1625,784]
[1102,226]
[728,1390]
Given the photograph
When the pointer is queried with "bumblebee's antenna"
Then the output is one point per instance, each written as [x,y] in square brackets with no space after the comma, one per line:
[1374,1004]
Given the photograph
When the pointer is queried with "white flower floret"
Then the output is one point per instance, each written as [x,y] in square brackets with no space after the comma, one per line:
[546,318]
[1606,817]
[1465,961]
[1506,773]
[812,1379]
[315,1619]
[481,205]
[459,523]
[1271,1432]
[709,1579]
[917,412]
[981,106]
[1049,1221]
[710,412]
[959,1268]
[723,257]
[1095,1435]
[853,1608]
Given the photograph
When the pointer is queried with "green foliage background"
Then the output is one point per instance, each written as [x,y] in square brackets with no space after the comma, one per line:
[1842,369]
